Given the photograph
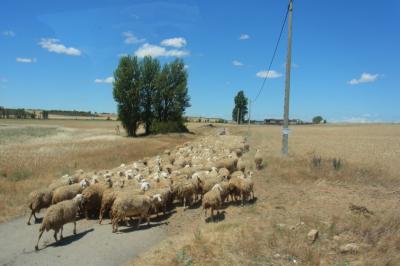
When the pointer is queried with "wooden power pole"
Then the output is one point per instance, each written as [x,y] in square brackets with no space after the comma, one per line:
[285,130]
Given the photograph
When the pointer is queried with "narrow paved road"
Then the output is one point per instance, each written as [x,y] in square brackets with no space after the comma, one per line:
[93,244]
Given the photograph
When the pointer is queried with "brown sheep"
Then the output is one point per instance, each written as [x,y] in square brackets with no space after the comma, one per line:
[92,196]
[59,214]
[228,163]
[242,187]
[128,204]
[68,192]
[38,200]
[212,200]
[241,166]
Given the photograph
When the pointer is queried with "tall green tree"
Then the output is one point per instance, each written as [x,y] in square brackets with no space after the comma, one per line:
[240,109]
[126,92]
[150,71]
[177,98]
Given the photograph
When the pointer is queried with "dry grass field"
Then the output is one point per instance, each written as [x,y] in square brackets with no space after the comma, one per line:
[356,203]
[294,197]
[33,152]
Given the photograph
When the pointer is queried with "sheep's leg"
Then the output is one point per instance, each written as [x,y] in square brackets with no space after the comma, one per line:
[74,227]
[184,202]
[34,216]
[212,213]
[61,236]
[140,220]
[86,214]
[55,235]
[101,216]
[242,198]
[148,220]
[29,220]
[37,243]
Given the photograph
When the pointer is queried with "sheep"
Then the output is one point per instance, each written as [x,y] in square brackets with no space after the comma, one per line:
[212,200]
[58,215]
[228,163]
[258,160]
[241,166]
[38,200]
[223,173]
[128,204]
[163,197]
[108,198]
[185,190]
[68,192]
[92,196]
[242,187]
[63,181]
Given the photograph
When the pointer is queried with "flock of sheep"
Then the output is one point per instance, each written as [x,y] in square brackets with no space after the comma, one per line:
[210,170]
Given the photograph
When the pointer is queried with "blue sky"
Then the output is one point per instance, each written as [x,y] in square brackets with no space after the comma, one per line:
[62,54]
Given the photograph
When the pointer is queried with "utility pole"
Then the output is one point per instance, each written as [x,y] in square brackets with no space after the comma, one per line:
[285,130]
[249,117]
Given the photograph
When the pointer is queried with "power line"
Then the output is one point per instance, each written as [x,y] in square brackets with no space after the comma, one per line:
[273,56]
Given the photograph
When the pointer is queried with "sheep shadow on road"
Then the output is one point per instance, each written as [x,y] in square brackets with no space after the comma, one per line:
[69,239]
[140,227]
[162,217]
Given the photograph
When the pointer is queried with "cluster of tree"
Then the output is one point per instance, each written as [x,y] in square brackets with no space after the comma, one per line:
[151,95]
[318,120]
[240,109]
[20,113]
[72,113]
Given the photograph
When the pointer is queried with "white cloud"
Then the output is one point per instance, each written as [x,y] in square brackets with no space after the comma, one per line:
[54,45]
[237,63]
[270,75]
[108,80]
[130,38]
[365,78]
[174,42]
[25,60]
[244,37]
[8,33]
[158,51]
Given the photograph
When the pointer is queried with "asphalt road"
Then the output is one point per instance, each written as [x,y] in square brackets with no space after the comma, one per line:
[93,244]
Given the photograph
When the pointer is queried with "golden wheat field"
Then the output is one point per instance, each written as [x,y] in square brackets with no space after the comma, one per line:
[354,208]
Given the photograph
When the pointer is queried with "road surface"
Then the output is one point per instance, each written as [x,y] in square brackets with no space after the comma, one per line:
[93,244]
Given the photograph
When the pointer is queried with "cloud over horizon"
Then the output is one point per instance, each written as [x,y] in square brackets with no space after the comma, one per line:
[8,33]
[130,38]
[177,42]
[237,63]
[365,78]
[244,37]
[25,60]
[54,46]
[107,80]
[272,74]
[158,51]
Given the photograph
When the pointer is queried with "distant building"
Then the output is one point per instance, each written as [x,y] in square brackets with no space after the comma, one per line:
[274,121]
[200,119]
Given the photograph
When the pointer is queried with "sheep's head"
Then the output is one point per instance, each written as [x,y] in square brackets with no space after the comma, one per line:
[157,197]
[145,186]
[121,183]
[84,183]
[217,186]
[79,199]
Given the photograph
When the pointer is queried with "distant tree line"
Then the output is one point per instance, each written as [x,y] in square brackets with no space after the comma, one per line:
[72,113]
[151,95]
